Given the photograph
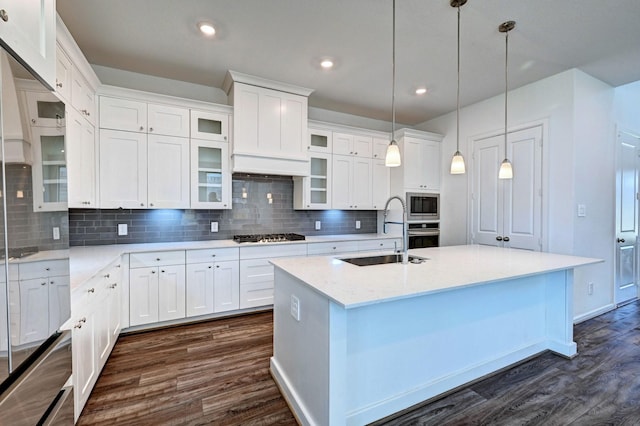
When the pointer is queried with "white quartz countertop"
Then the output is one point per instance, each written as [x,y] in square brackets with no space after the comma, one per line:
[448,268]
[86,262]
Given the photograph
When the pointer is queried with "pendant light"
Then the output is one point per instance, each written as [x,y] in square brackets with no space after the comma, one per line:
[392,159]
[506,171]
[457,162]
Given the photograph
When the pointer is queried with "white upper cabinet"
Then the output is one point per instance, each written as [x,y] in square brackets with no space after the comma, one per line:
[269,126]
[83,96]
[123,114]
[168,172]
[210,175]
[168,120]
[351,183]
[350,144]
[213,126]
[380,148]
[63,74]
[45,110]
[380,184]
[421,162]
[49,171]
[81,161]
[320,140]
[28,28]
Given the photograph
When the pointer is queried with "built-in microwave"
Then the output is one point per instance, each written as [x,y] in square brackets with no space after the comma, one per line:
[423,206]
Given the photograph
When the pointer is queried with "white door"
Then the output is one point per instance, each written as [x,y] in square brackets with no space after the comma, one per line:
[508,212]
[123,169]
[626,287]
[168,172]
[199,289]
[171,292]
[226,286]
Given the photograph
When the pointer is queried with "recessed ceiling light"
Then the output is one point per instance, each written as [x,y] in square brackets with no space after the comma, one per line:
[207,28]
[326,64]
[421,91]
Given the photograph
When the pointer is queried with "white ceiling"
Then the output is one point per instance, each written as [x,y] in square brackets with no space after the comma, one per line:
[284,40]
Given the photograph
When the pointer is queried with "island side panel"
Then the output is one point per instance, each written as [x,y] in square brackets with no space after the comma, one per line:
[559,305]
[304,350]
[403,352]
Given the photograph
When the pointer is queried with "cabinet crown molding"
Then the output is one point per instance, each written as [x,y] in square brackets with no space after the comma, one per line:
[238,77]
[418,134]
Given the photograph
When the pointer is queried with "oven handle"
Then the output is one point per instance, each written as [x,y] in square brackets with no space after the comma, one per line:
[426,232]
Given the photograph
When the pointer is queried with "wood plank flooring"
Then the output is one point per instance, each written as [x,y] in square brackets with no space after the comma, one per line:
[217,373]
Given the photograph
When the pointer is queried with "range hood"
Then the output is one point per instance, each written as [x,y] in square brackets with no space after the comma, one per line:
[17,148]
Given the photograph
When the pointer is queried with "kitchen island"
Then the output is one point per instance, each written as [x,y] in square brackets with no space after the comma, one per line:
[353,344]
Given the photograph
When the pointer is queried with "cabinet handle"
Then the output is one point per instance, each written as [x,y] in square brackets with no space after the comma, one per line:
[4,15]
[33,121]
[217,266]
[47,269]
[213,255]
[162,270]
[506,239]
[351,152]
[52,282]
[58,84]
[210,267]
[43,283]
[620,240]
[141,204]
[225,138]
[151,129]
[355,153]
[113,285]
[157,259]
[91,290]
[153,272]
[375,155]
[78,325]
[141,128]
[225,205]
[83,319]
[334,248]
[498,238]
[107,275]
[151,204]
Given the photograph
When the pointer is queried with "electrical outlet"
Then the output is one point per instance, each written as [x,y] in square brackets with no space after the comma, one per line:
[122,229]
[357,224]
[295,307]
[318,225]
[582,210]
[56,233]
[214,226]
[590,289]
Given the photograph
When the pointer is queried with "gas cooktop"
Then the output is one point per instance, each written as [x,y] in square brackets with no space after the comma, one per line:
[267,238]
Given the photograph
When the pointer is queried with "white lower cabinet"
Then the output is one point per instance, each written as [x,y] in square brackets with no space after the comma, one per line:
[156,287]
[212,287]
[96,313]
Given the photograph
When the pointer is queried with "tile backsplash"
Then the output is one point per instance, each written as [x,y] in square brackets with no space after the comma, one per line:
[252,213]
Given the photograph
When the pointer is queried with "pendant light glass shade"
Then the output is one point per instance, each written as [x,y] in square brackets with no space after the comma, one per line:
[392,159]
[393,155]
[457,162]
[506,170]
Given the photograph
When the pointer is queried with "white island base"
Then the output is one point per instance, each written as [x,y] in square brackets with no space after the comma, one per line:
[353,363]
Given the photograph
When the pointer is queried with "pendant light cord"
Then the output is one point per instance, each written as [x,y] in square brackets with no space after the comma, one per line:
[506,87]
[393,75]
[458,93]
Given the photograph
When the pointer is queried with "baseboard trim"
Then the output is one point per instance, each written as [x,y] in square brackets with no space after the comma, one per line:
[595,313]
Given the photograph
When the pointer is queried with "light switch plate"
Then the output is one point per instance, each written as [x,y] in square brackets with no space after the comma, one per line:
[357,224]
[582,210]
[122,229]
[295,307]
[56,233]
[214,226]
[318,225]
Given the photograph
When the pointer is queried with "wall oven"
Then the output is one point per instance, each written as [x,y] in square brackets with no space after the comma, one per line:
[423,235]
[423,206]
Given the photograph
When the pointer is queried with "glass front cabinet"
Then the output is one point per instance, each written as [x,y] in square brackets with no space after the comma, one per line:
[314,192]
[49,169]
[210,175]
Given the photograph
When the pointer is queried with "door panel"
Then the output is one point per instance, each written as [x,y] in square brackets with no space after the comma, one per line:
[626,287]
[486,156]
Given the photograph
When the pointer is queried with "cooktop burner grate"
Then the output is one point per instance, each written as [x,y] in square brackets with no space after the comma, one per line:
[267,238]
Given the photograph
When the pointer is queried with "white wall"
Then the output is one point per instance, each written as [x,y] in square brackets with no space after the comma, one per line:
[576,111]
[627,107]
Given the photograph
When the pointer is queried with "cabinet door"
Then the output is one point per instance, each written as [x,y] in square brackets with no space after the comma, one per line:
[34,300]
[342,143]
[85,360]
[171,292]
[341,184]
[379,184]
[45,110]
[123,169]
[123,114]
[49,169]
[200,289]
[211,126]
[168,120]
[114,308]
[380,148]
[63,74]
[226,281]
[361,193]
[81,158]
[320,140]
[363,146]
[413,164]
[59,301]
[82,96]
[143,296]
[30,32]
[210,175]
[318,184]
[168,172]
[432,164]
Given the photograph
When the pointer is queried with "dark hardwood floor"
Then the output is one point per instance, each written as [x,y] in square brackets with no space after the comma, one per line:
[217,373]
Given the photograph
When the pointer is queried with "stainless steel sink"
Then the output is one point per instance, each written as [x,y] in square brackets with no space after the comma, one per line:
[381,260]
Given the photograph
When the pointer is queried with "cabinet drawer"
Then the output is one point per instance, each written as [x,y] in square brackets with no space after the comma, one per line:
[212,255]
[256,294]
[317,249]
[386,244]
[269,252]
[48,268]
[256,271]
[156,258]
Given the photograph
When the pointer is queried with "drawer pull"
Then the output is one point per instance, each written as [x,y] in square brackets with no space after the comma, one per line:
[92,290]
[107,275]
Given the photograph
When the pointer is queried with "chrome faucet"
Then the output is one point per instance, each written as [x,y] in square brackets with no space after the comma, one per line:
[405,246]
